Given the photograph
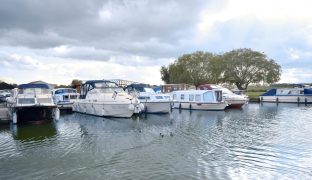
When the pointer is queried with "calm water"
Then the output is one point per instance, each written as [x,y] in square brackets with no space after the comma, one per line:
[258,142]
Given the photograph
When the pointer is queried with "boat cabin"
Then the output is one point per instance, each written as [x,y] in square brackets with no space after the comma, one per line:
[203,96]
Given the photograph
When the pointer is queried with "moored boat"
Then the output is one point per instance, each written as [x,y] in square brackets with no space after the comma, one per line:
[288,95]
[233,100]
[153,102]
[105,98]
[32,102]
[199,100]
[64,98]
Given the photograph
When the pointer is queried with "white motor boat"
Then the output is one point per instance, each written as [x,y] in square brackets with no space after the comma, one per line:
[288,95]
[32,102]
[105,98]
[64,98]
[153,102]
[233,100]
[199,100]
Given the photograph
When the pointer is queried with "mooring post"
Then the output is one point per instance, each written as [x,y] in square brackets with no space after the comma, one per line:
[14,118]
[57,114]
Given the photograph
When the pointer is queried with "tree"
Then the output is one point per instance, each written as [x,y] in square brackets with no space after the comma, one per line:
[245,66]
[189,68]
[76,84]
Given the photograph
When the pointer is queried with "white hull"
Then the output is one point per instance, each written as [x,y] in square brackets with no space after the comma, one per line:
[287,99]
[157,107]
[104,109]
[65,105]
[200,106]
[235,102]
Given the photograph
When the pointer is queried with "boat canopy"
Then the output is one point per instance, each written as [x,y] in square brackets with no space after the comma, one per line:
[137,87]
[271,92]
[92,84]
[27,86]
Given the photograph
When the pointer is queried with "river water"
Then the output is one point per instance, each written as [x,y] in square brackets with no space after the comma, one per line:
[260,141]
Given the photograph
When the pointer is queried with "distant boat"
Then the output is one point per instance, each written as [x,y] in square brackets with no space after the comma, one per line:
[288,95]
[32,102]
[64,98]
[105,98]
[233,100]
[153,102]
[199,100]
[4,94]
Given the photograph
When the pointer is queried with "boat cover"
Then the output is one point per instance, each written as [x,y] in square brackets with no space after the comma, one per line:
[308,91]
[41,86]
[271,92]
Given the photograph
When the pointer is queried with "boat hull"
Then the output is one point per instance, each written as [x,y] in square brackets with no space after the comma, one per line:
[157,107]
[287,99]
[34,113]
[235,103]
[200,106]
[104,109]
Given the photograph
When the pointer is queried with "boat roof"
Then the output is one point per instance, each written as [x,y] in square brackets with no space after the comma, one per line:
[93,82]
[194,91]
[41,86]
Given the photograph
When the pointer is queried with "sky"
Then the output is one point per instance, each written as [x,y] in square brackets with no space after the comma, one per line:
[57,41]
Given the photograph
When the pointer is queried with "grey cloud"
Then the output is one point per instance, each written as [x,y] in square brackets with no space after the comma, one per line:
[152,29]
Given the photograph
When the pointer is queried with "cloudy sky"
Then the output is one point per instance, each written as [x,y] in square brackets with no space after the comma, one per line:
[57,41]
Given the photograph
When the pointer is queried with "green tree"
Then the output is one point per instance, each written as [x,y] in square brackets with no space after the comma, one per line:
[189,68]
[245,66]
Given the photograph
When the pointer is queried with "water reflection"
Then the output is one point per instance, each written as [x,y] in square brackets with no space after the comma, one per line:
[259,141]
[33,132]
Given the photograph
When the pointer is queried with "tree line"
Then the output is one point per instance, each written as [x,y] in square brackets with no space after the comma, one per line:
[240,67]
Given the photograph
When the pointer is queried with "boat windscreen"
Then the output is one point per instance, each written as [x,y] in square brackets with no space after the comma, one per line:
[34,91]
[111,90]
[104,85]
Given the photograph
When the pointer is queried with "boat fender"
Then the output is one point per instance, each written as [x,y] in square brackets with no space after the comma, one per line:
[57,114]
[190,106]
[142,107]
[180,106]
[298,99]
[131,107]
[277,99]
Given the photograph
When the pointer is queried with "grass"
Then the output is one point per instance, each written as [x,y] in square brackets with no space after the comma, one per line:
[254,96]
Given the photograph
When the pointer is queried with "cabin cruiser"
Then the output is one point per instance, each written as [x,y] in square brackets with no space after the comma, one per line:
[32,102]
[288,95]
[233,100]
[105,98]
[199,100]
[153,102]
[64,98]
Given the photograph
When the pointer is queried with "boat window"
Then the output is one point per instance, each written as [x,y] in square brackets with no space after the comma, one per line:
[208,96]
[218,95]
[167,97]
[34,91]
[103,85]
[174,97]
[144,98]
[159,97]
[191,97]
[150,90]
[111,90]
[182,97]
[197,97]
